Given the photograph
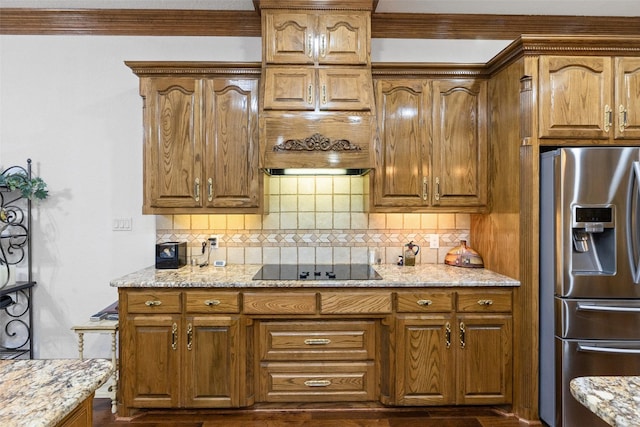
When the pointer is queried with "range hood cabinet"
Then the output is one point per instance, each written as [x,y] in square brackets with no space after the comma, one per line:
[317,104]
[323,142]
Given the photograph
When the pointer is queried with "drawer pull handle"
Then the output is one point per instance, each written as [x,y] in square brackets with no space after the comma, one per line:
[317,341]
[152,303]
[189,337]
[447,335]
[485,302]
[424,302]
[317,383]
[174,336]
[608,118]
[212,302]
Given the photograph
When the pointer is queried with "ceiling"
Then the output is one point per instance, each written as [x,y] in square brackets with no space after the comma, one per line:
[497,7]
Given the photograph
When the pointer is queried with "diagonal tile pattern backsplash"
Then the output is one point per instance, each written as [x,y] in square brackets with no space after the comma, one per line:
[315,220]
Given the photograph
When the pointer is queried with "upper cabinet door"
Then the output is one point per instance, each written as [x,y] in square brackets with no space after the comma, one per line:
[231,135]
[290,88]
[401,171]
[459,164]
[576,95]
[345,89]
[173,149]
[627,105]
[343,39]
[289,38]
[316,38]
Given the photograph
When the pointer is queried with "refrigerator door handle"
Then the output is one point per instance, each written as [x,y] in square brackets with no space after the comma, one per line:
[615,350]
[632,226]
[607,308]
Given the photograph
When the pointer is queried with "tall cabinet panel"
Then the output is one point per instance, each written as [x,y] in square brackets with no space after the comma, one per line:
[402,169]
[459,175]
[231,135]
[173,143]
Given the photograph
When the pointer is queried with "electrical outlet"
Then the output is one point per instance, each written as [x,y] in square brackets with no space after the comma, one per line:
[434,241]
[214,241]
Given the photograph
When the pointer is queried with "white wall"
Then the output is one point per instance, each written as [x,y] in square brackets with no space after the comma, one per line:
[70,104]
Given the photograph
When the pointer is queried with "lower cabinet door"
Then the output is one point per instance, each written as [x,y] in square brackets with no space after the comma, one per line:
[317,381]
[150,363]
[425,360]
[485,359]
[211,363]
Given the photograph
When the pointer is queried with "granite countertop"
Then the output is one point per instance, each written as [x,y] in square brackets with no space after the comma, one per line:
[40,393]
[615,399]
[240,276]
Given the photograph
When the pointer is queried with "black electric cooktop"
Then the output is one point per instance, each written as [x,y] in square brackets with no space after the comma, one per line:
[317,272]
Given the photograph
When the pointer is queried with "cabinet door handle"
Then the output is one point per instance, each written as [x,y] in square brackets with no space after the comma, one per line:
[174,337]
[437,193]
[310,45]
[197,189]
[323,45]
[189,337]
[317,341]
[210,189]
[425,192]
[152,303]
[608,117]
[485,302]
[623,118]
[462,332]
[424,302]
[211,302]
[324,94]
[447,334]
[310,94]
[317,383]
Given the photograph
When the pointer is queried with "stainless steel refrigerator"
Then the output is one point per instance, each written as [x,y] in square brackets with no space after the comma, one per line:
[589,274]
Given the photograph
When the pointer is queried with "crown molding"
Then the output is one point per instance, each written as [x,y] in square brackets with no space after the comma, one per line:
[152,22]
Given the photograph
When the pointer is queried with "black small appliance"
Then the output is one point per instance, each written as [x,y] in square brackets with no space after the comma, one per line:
[171,255]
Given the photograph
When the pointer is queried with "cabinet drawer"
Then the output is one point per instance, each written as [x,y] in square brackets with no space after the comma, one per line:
[154,302]
[355,302]
[425,302]
[212,302]
[484,301]
[317,340]
[317,382]
[279,303]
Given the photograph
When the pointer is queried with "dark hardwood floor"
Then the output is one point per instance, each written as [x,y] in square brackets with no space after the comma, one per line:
[360,417]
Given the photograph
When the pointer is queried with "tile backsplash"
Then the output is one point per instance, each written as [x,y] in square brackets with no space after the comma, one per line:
[320,220]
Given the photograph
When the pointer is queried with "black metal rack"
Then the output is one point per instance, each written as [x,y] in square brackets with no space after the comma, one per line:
[16,297]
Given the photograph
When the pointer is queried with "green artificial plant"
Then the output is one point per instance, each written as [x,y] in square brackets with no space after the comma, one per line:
[30,188]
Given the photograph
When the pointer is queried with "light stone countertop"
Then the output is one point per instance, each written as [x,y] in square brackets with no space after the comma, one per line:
[615,399]
[240,276]
[40,393]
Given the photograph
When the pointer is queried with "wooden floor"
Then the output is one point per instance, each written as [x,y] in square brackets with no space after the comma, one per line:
[361,417]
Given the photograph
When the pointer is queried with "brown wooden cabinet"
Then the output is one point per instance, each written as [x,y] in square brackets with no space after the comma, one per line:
[432,147]
[324,89]
[191,356]
[317,60]
[322,37]
[589,97]
[448,356]
[201,144]
[403,347]
[317,361]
